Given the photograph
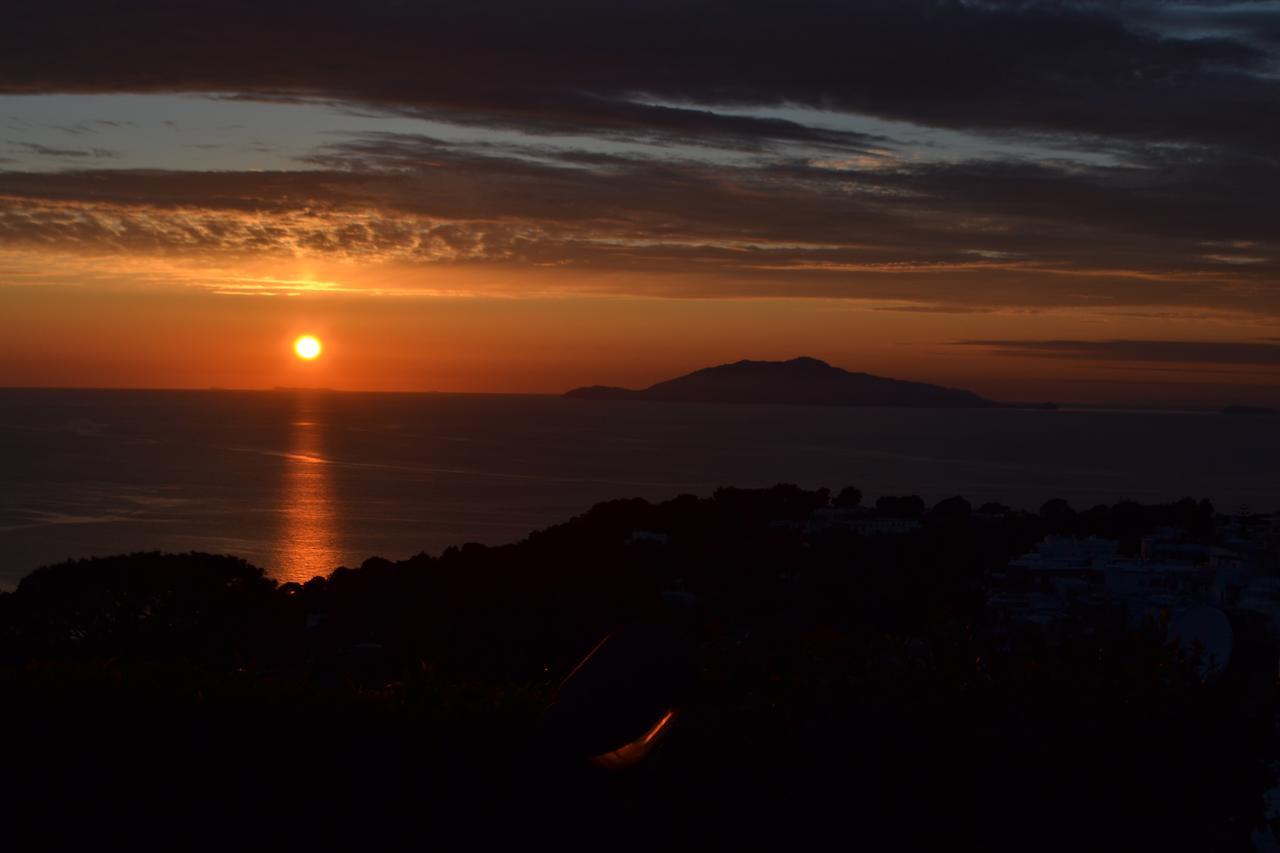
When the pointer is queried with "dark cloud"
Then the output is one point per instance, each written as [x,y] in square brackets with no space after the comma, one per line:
[1197,206]
[1250,20]
[1182,352]
[52,151]
[585,66]
[585,115]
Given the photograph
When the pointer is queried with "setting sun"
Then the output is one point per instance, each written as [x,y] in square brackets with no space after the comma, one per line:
[307,347]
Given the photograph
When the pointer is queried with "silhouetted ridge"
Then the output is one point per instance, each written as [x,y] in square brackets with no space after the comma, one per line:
[800,381]
[738,646]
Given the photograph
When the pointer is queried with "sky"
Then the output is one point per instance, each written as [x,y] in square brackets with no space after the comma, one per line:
[1067,201]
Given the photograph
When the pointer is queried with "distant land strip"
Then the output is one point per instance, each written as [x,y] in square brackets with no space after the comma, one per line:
[799,381]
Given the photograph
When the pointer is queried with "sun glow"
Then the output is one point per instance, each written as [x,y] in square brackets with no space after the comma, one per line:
[307,347]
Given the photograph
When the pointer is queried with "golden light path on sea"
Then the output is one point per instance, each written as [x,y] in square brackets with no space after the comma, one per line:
[307,543]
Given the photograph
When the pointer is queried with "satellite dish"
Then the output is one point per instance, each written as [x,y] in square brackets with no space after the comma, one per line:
[1206,632]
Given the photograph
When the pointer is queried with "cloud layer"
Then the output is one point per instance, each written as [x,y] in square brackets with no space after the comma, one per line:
[583,66]
[720,148]
[1251,353]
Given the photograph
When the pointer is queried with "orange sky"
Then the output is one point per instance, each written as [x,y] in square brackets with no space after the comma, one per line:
[540,341]
[468,200]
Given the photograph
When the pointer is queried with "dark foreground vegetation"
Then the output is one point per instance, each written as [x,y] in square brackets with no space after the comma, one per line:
[829,690]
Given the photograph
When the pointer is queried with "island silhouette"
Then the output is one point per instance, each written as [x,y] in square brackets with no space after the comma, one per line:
[799,381]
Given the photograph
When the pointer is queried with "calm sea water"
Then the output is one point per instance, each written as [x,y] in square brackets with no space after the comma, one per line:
[301,482]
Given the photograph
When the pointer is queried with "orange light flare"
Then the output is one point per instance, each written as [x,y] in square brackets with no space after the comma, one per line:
[307,347]
[634,752]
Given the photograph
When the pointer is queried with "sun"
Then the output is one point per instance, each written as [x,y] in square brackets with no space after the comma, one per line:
[307,347]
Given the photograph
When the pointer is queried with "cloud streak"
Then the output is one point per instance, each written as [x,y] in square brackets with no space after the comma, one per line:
[1241,353]
[967,235]
[51,151]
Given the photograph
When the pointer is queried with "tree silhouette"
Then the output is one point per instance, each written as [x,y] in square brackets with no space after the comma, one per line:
[850,496]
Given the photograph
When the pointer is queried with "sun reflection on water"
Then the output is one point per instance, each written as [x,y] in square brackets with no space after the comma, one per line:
[306,546]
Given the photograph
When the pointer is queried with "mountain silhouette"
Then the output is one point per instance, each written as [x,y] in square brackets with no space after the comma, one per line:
[800,381]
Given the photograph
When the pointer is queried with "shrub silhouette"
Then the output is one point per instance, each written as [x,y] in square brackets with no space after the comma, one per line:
[188,701]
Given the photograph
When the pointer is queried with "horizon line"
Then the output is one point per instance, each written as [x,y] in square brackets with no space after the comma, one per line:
[1111,406]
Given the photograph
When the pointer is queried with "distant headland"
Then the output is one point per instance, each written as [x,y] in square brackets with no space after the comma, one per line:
[800,381]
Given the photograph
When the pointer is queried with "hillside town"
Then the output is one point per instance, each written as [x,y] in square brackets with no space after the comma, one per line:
[1077,580]
[1080,583]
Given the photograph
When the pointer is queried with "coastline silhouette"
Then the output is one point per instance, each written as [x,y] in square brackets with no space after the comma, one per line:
[761,665]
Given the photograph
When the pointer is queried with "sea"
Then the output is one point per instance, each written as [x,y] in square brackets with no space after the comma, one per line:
[300,482]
